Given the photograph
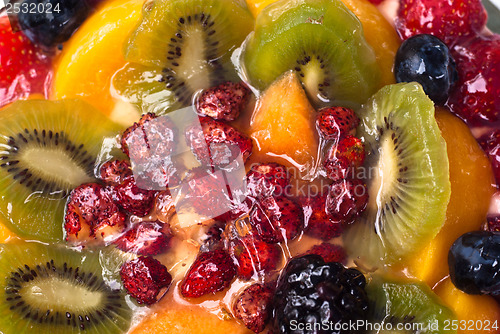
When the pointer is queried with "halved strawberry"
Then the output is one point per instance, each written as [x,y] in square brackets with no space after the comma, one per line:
[131,198]
[211,272]
[266,179]
[145,238]
[329,252]
[343,159]
[145,279]
[24,69]
[115,171]
[317,222]
[254,256]
[451,21]
[346,199]
[254,306]
[275,219]
[335,122]
[223,102]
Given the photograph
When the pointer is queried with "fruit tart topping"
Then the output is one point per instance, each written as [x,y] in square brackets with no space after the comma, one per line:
[491,145]
[24,69]
[335,122]
[217,143]
[450,21]
[342,160]
[266,179]
[476,97]
[146,238]
[211,272]
[276,219]
[318,223]
[92,216]
[54,26]
[114,172]
[428,61]
[254,257]
[223,102]
[145,279]
[346,200]
[473,262]
[493,223]
[313,292]
[329,252]
[254,307]
[133,199]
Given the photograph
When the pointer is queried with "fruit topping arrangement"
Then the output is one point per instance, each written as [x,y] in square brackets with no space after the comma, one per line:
[258,166]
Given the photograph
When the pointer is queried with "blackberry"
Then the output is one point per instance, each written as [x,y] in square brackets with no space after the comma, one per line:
[312,296]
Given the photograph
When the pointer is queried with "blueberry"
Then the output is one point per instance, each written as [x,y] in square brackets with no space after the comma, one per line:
[426,60]
[54,26]
[474,261]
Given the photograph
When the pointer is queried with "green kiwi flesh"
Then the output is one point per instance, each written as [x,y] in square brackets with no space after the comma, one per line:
[322,41]
[51,289]
[179,48]
[409,305]
[407,176]
[47,149]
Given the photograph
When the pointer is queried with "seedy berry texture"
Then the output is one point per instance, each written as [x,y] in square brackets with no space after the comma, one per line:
[317,222]
[223,102]
[276,219]
[211,272]
[132,198]
[145,238]
[115,171]
[476,97]
[254,306]
[145,279]
[329,252]
[216,143]
[335,122]
[314,292]
[452,21]
[428,61]
[491,145]
[342,160]
[346,199]
[266,179]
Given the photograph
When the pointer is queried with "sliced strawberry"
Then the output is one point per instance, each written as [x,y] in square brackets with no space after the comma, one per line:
[223,102]
[275,219]
[133,199]
[343,159]
[217,143]
[266,179]
[317,222]
[451,21]
[145,238]
[145,279]
[335,122]
[211,272]
[254,306]
[346,199]
[115,171]
[491,145]
[92,216]
[24,69]
[476,96]
[254,256]
[329,252]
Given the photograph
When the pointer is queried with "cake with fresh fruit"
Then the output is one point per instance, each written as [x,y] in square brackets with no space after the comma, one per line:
[221,166]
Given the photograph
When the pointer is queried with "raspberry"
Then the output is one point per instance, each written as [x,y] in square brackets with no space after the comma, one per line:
[254,306]
[223,102]
[145,238]
[266,179]
[346,199]
[335,122]
[145,279]
[343,159]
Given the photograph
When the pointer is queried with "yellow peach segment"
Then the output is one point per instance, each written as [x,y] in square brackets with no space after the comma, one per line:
[471,180]
[282,125]
[475,313]
[94,53]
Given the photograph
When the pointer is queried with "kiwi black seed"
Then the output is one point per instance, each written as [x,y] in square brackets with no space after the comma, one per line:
[407,175]
[406,306]
[51,289]
[48,148]
[181,47]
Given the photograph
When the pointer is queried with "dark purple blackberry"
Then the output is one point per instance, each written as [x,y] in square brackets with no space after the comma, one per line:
[312,296]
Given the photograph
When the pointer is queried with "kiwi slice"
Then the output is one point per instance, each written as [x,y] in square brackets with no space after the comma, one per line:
[50,289]
[47,149]
[407,176]
[322,41]
[179,48]
[404,306]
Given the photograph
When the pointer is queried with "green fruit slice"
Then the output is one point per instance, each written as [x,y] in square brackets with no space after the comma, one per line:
[407,176]
[407,307]
[48,148]
[50,289]
[181,47]
[322,41]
